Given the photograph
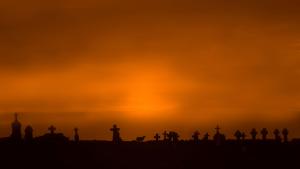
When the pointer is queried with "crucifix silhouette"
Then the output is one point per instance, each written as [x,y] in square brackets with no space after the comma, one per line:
[217,128]
[76,135]
[16,116]
[51,129]
[165,134]
[157,136]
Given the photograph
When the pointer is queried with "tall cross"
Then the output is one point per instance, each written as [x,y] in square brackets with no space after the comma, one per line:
[16,116]
[217,128]
[52,129]
[76,130]
[115,128]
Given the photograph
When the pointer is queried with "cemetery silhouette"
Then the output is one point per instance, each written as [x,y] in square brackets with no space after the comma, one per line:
[256,149]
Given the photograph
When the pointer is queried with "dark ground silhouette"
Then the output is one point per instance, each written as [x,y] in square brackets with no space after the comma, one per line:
[54,150]
[132,155]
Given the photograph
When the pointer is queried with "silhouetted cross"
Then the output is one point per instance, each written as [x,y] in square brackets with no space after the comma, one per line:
[52,129]
[16,116]
[165,134]
[196,135]
[206,136]
[115,128]
[217,128]
[156,136]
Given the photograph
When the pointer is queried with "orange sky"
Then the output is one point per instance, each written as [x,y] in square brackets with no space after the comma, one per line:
[150,65]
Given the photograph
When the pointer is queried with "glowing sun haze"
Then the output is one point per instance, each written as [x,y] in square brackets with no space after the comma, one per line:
[150,66]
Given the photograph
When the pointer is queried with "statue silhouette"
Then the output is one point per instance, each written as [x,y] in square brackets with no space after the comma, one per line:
[28,133]
[253,134]
[157,137]
[116,134]
[285,133]
[76,135]
[264,132]
[16,129]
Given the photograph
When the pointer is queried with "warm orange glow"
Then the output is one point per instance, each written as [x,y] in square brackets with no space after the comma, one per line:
[150,65]
[146,98]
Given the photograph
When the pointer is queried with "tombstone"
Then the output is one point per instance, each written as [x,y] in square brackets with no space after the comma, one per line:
[195,136]
[52,129]
[253,134]
[157,137]
[243,136]
[285,133]
[205,137]
[28,133]
[76,135]
[218,137]
[276,133]
[16,126]
[264,132]
[116,134]
[173,137]
[238,135]
[165,134]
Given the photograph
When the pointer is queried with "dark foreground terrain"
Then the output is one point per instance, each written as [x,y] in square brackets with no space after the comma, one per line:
[149,155]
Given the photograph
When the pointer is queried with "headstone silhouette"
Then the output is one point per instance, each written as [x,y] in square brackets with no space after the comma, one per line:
[238,135]
[195,136]
[52,129]
[264,132]
[116,134]
[76,135]
[165,134]
[285,133]
[28,133]
[243,136]
[205,137]
[16,126]
[218,137]
[157,137]
[173,137]
[253,134]
[276,133]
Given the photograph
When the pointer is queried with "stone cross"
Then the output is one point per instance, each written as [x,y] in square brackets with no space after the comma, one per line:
[264,132]
[218,129]
[285,133]
[196,135]
[165,134]
[157,137]
[52,129]
[253,133]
